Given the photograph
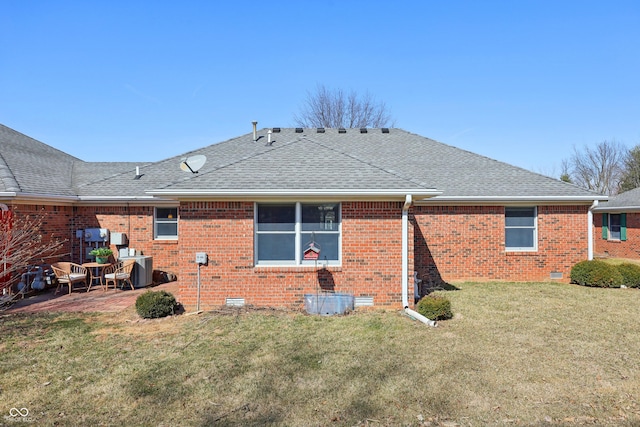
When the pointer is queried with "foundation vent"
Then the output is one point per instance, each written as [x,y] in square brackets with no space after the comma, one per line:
[363,302]
[556,275]
[235,302]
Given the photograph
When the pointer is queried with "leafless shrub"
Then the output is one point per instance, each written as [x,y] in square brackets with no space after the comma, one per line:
[22,243]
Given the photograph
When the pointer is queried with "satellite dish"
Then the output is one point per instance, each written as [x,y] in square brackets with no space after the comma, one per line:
[193,163]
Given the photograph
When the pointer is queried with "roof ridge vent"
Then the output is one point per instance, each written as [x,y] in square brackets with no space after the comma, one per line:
[276,130]
[298,130]
[320,130]
[363,130]
[385,130]
[342,130]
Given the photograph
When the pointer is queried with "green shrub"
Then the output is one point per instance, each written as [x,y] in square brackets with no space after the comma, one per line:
[154,304]
[435,307]
[596,273]
[630,274]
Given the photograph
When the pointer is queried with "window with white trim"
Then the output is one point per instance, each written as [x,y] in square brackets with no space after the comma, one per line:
[165,223]
[521,231]
[284,230]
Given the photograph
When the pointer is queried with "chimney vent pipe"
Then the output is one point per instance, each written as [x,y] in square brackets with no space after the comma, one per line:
[255,131]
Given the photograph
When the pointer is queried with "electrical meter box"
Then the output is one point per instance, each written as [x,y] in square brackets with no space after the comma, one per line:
[201,257]
[96,235]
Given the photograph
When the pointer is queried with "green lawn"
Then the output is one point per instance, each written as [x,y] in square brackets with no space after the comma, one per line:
[514,354]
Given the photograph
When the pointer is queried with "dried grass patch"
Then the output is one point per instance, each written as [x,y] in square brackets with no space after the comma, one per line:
[523,354]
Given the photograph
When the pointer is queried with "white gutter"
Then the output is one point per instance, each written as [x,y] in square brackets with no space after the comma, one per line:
[590,228]
[405,265]
[504,199]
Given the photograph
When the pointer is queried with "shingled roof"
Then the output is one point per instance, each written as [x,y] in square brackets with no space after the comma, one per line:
[351,163]
[629,201]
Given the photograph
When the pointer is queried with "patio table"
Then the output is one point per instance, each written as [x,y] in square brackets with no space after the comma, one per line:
[96,272]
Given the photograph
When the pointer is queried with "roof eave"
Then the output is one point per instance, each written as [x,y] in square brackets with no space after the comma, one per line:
[41,199]
[604,209]
[467,200]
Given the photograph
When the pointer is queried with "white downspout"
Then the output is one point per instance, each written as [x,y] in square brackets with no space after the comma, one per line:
[405,265]
[590,227]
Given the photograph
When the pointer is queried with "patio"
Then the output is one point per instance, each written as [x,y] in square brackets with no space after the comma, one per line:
[96,300]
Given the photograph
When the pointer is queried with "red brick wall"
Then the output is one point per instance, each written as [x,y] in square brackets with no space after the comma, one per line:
[371,258]
[458,243]
[56,225]
[137,223]
[446,243]
[616,248]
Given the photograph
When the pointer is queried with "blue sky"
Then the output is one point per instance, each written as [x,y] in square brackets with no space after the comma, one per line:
[519,81]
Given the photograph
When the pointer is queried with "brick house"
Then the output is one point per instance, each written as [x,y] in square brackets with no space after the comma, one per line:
[379,203]
[617,226]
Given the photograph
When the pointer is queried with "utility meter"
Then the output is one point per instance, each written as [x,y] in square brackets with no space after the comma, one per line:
[201,258]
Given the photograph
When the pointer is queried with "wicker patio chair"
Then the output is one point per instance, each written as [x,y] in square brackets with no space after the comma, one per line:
[69,273]
[119,272]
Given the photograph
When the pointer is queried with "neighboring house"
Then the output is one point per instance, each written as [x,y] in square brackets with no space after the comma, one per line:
[379,203]
[617,226]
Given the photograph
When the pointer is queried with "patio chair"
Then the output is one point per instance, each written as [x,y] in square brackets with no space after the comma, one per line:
[119,272]
[69,273]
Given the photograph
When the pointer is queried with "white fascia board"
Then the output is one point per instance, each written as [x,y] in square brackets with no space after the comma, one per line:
[605,209]
[507,199]
[119,200]
[297,194]
[41,199]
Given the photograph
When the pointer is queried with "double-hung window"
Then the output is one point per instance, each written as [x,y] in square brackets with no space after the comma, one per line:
[520,228]
[284,231]
[165,223]
[614,226]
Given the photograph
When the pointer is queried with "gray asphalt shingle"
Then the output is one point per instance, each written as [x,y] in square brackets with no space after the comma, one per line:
[302,161]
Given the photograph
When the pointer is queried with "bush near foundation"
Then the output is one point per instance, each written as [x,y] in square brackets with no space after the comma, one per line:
[154,304]
[596,273]
[630,274]
[435,307]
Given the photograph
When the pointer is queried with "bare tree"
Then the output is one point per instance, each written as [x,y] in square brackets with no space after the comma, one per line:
[599,169]
[565,174]
[23,243]
[335,109]
[631,175]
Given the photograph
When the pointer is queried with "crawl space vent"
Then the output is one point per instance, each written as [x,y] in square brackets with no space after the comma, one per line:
[235,302]
[363,302]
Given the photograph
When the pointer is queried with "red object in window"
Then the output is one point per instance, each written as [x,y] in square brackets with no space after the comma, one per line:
[312,252]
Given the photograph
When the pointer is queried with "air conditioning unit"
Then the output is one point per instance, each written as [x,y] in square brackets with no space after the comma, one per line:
[142,271]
